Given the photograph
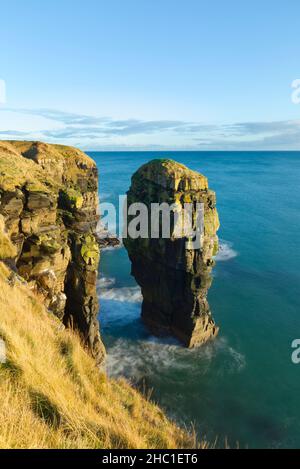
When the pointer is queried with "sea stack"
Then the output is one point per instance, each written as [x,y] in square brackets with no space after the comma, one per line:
[174,276]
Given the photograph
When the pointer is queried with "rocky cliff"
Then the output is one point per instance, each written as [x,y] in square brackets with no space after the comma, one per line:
[49,210]
[174,278]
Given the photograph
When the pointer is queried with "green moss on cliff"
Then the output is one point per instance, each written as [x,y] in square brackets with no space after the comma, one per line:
[48,243]
[71,199]
[90,251]
[211,222]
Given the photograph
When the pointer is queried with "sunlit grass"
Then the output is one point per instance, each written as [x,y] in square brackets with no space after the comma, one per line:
[53,396]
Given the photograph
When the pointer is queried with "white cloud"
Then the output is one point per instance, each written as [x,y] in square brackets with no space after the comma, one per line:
[104,133]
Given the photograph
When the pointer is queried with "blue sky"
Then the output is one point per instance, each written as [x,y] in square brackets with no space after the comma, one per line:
[151,74]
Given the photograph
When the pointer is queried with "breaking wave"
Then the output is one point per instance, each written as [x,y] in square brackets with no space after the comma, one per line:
[145,358]
[226,252]
[122,294]
[105,282]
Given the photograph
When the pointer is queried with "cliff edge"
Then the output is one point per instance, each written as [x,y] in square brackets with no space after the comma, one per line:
[49,212]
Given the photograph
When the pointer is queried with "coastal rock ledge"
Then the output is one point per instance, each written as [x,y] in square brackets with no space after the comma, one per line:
[48,218]
[174,278]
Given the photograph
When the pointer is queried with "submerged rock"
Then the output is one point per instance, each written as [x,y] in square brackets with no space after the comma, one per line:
[174,277]
[48,219]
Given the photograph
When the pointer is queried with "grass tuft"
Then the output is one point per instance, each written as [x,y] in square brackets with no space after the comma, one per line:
[45,409]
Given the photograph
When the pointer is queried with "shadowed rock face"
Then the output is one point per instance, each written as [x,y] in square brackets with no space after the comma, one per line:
[49,210]
[174,279]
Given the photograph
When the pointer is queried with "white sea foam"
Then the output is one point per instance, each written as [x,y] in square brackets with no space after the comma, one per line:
[226,252]
[238,359]
[137,358]
[107,291]
[106,282]
[135,354]
[123,294]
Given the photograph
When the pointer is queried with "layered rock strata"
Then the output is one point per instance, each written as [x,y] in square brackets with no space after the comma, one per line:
[49,210]
[174,278]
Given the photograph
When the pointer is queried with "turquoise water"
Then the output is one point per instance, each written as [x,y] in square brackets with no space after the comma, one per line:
[244,386]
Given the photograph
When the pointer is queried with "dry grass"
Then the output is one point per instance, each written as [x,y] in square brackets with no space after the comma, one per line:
[7,249]
[18,165]
[53,396]
[16,171]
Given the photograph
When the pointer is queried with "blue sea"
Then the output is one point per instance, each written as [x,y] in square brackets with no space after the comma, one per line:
[242,388]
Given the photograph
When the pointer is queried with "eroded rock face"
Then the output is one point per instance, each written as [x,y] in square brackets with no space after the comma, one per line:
[49,210]
[175,279]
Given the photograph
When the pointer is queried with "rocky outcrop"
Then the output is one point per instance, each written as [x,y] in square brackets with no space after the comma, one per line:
[174,278]
[49,212]
[106,239]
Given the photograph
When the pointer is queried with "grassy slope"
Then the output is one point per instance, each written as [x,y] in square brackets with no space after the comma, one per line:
[51,394]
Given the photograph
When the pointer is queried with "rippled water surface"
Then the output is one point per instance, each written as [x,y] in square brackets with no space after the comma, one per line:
[242,387]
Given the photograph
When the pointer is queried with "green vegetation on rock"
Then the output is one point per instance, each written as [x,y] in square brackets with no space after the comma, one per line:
[71,198]
[90,251]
